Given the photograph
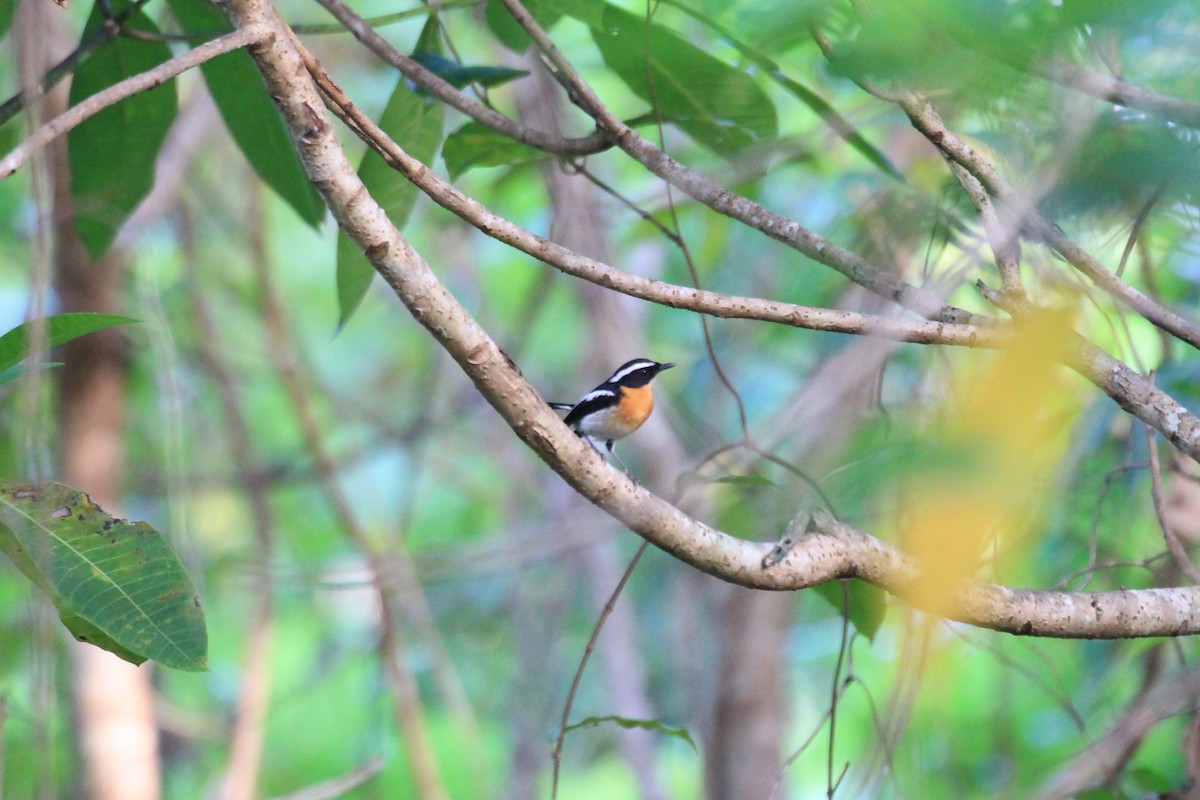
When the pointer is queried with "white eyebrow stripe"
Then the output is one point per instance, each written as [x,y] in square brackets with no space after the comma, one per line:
[596,394]
[629,368]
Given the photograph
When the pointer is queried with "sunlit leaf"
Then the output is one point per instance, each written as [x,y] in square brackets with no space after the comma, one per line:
[721,107]
[250,115]
[629,723]
[116,584]
[868,604]
[416,125]
[61,328]
[112,154]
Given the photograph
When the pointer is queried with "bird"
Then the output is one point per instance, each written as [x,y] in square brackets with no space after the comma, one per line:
[617,407]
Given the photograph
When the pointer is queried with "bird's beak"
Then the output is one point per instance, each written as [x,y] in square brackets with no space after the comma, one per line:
[662,367]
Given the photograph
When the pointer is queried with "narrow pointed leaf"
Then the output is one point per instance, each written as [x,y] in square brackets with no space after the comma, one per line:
[112,154]
[721,107]
[630,723]
[250,115]
[415,124]
[116,584]
[60,328]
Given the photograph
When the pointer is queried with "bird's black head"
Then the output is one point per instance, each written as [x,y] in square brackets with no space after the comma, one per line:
[638,372]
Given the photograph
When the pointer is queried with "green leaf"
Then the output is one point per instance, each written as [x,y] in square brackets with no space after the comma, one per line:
[509,31]
[628,723]
[112,154]
[477,145]
[721,107]
[7,8]
[61,328]
[116,584]
[805,94]
[251,116]
[14,373]
[460,75]
[416,125]
[868,604]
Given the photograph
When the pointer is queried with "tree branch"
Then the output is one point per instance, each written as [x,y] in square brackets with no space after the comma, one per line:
[926,120]
[439,88]
[922,301]
[832,551]
[1130,390]
[144,81]
[1116,91]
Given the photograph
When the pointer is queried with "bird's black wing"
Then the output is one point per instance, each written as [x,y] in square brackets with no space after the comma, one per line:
[593,401]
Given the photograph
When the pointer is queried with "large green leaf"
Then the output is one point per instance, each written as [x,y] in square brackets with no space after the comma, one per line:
[721,107]
[116,584]
[415,123]
[250,115]
[112,154]
[15,345]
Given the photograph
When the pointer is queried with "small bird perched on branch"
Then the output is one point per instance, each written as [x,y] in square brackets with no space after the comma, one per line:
[617,407]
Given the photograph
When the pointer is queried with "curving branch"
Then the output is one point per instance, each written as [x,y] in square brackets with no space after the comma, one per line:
[1119,92]
[1131,391]
[71,118]
[832,550]
[791,233]
[926,120]
[435,85]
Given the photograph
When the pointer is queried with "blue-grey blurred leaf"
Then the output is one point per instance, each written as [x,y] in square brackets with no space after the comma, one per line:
[460,75]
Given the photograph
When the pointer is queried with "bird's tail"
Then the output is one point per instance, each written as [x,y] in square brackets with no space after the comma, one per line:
[561,406]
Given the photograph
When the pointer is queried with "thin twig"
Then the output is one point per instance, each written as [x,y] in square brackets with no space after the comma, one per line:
[445,92]
[1174,546]
[556,756]
[97,39]
[141,82]
[673,295]
[922,301]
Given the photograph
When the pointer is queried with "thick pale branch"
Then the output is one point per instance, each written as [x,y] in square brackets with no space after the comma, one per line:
[832,551]
[144,81]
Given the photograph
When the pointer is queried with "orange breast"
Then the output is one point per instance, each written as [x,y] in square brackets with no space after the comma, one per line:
[635,408]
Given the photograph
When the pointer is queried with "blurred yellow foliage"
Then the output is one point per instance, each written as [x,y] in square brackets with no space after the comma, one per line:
[996,444]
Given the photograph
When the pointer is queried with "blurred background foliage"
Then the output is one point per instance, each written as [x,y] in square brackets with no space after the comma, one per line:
[502,571]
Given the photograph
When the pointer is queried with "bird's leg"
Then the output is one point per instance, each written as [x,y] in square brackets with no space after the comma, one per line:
[613,453]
